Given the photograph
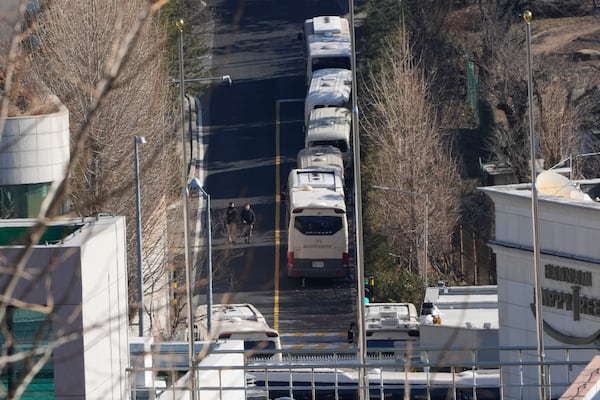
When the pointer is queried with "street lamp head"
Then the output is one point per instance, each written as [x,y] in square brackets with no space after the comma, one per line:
[195,184]
[140,140]
[179,25]
[227,79]
[527,15]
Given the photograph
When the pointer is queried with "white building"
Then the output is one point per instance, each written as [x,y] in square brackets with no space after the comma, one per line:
[35,153]
[69,302]
[469,322]
[569,234]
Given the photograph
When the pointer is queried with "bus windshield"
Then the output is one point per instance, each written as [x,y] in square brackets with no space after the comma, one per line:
[318,225]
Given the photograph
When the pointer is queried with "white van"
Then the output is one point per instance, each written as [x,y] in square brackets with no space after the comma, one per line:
[390,325]
[317,224]
[328,157]
[330,126]
[328,44]
[240,322]
[329,87]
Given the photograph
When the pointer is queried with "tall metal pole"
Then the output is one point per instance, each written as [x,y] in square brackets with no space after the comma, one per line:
[186,228]
[534,219]
[209,292]
[138,213]
[363,378]
[426,241]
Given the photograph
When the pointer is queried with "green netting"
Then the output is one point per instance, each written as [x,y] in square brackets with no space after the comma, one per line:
[16,235]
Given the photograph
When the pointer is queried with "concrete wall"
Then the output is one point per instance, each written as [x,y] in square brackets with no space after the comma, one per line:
[105,308]
[456,338]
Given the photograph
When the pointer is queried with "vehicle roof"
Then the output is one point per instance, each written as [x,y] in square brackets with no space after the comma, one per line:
[327,25]
[389,310]
[330,123]
[328,87]
[322,157]
[232,318]
[316,188]
[329,46]
[390,315]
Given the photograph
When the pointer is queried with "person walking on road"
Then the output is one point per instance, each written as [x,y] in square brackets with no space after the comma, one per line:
[231,220]
[248,220]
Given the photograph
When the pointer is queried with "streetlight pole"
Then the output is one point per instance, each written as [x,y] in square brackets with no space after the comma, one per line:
[209,293]
[363,379]
[186,228]
[138,213]
[224,78]
[425,225]
[527,15]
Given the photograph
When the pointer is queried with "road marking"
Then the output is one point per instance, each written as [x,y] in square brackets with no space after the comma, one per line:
[277,211]
[278,206]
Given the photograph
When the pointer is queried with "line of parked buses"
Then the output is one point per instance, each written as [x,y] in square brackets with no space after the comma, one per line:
[318,228]
[315,198]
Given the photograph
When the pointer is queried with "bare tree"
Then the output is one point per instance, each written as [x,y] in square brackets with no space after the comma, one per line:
[136,104]
[406,150]
[559,89]
[105,62]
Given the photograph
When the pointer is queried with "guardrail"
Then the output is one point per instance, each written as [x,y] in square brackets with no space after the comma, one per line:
[311,375]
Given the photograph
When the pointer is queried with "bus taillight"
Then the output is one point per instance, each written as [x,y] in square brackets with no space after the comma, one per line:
[225,335]
[345,259]
[272,334]
[290,259]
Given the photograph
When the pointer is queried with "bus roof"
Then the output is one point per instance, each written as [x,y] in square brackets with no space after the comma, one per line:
[233,317]
[330,123]
[327,25]
[328,87]
[316,188]
[321,157]
[329,46]
[390,315]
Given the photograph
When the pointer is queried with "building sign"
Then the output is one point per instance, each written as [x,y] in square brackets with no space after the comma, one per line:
[572,301]
[566,274]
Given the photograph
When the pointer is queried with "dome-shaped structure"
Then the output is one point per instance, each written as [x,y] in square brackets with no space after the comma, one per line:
[554,184]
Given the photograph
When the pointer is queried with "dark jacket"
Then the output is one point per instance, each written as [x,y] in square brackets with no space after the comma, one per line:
[231,215]
[248,216]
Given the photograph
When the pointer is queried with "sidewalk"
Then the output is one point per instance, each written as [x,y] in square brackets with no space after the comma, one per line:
[176,234]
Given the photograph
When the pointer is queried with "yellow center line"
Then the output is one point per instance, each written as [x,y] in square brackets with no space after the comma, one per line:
[277,213]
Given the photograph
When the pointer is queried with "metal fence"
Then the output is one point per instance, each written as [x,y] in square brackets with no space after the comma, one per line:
[316,375]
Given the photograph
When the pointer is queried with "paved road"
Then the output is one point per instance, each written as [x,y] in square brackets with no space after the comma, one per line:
[252,132]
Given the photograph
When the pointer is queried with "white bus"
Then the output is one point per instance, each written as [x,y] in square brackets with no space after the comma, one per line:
[317,224]
[328,44]
[328,157]
[329,87]
[239,322]
[330,126]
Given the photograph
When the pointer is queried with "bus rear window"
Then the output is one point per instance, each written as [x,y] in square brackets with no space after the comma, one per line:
[318,225]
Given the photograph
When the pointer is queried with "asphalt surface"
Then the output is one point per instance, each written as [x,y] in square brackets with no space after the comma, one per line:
[252,131]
